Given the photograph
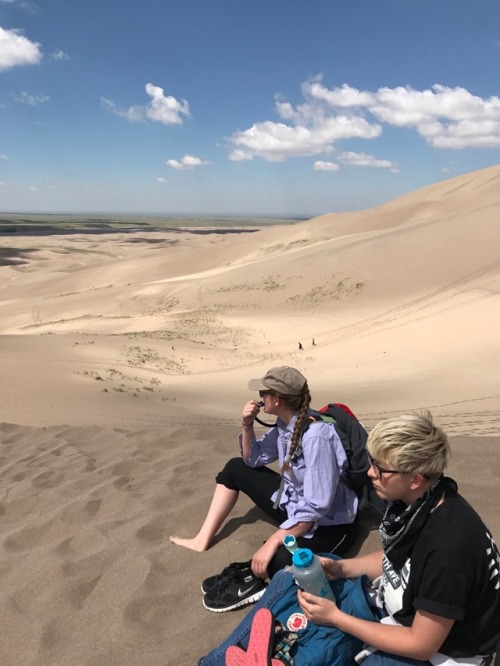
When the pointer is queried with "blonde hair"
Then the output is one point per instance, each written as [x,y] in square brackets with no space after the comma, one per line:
[411,444]
[300,404]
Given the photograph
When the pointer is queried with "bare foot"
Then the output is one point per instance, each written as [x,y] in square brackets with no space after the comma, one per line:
[193,544]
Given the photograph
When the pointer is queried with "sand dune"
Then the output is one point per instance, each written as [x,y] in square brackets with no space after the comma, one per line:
[125,357]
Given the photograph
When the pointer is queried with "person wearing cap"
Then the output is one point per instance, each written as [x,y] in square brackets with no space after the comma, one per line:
[435,582]
[306,498]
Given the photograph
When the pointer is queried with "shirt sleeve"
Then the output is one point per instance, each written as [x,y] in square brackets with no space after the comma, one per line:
[262,451]
[444,592]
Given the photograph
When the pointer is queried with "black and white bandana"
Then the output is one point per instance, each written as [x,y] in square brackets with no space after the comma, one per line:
[402,523]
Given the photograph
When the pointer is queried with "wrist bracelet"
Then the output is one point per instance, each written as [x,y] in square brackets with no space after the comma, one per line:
[246,426]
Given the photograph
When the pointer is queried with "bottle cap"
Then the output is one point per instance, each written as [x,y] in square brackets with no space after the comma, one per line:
[302,558]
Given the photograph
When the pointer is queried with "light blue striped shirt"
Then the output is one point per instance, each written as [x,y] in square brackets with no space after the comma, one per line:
[312,489]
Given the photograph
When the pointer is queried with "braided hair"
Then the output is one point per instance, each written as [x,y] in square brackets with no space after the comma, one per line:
[300,404]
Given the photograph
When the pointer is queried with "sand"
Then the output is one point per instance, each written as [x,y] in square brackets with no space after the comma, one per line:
[125,357]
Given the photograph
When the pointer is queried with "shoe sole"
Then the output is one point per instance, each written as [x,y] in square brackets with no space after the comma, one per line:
[242,602]
[259,644]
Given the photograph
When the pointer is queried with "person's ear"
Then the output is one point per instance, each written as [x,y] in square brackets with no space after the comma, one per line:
[417,481]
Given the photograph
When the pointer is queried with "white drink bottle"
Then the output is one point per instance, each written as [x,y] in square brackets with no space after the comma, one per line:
[309,574]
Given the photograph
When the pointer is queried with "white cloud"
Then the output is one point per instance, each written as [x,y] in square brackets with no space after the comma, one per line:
[3,157]
[133,113]
[33,188]
[313,131]
[364,160]
[444,117]
[319,165]
[16,49]
[2,184]
[160,179]
[187,162]
[162,108]
[59,55]
[31,100]
[166,110]
[239,155]
[344,97]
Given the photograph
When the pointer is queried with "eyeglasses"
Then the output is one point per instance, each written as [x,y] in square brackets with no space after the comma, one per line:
[381,470]
[263,394]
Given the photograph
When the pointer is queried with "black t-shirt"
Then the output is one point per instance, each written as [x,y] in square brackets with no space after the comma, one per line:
[453,572]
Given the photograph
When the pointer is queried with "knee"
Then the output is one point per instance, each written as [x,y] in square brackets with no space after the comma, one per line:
[231,472]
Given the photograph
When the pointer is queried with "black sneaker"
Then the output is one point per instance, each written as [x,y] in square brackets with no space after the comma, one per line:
[235,592]
[234,569]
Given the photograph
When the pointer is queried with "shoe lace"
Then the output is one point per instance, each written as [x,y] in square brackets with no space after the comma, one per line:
[233,576]
[232,571]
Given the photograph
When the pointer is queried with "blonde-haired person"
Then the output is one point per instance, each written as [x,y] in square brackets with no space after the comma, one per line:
[438,572]
[306,499]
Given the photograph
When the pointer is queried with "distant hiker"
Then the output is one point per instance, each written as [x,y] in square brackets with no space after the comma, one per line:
[300,345]
[314,343]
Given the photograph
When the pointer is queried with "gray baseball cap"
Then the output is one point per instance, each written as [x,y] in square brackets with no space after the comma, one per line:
[284,380]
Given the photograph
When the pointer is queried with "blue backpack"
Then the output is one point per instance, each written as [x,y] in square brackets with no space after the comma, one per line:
[319,645]
[298,642]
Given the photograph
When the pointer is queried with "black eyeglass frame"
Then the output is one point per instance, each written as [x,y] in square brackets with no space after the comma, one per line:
[380,470]
[264,393]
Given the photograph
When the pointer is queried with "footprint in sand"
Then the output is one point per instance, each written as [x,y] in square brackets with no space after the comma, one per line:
[28,537]
[148,455]
[157,579]
[54,640]
[153,531]
[122,483]
[123,468]
[65,549]
[79,593]
[81,510]
[49,479]
[148,615]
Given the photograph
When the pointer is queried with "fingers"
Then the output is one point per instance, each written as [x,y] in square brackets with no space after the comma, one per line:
[259,568]
[250,410]
[330,567]
[307,597]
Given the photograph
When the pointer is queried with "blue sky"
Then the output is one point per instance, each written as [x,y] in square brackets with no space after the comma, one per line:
[261,107]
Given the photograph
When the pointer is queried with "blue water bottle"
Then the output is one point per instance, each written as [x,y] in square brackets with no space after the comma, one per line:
[290,543]
[309,574]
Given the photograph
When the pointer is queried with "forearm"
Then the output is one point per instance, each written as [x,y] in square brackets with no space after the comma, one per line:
[297,530]
[394,639]
[250,411]
[262,558]
[367,565]
[247,434]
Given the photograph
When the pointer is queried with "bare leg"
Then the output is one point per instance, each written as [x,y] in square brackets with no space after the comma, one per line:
[222,504]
